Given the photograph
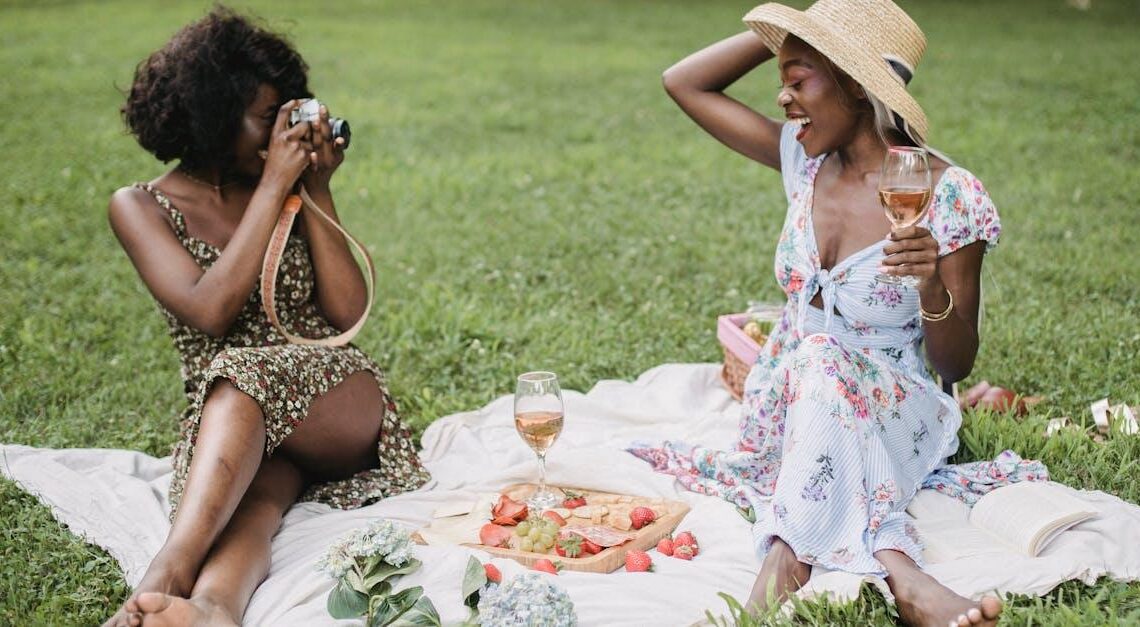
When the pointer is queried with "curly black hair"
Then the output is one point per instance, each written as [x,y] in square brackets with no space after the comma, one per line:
[188,97]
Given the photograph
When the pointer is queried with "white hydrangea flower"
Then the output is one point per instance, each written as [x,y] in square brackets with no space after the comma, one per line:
[529,599]
[381,538]
[337,561]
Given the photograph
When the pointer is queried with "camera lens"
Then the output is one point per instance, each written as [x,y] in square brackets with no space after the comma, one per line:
[340,128]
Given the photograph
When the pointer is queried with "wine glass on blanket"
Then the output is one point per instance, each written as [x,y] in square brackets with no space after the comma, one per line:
[904,191]
[538,419]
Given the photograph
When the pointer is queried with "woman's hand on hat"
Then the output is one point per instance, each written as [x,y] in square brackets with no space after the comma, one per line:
[326,156]
[289,148]
[912,251]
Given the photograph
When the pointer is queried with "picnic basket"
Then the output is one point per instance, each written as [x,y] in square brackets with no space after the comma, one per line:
[740,349]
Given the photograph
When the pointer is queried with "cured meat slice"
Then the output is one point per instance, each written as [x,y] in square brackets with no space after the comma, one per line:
[508,511]
[495,535]
[599,534]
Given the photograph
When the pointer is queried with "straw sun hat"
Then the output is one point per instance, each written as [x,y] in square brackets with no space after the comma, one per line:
[873,41]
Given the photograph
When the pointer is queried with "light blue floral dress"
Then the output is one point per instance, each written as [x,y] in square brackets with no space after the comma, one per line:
[841,422]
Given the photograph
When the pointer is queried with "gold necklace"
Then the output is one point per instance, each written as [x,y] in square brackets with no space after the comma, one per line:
[216,188]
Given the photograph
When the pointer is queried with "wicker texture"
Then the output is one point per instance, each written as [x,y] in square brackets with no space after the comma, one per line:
[733,374]
[740,352]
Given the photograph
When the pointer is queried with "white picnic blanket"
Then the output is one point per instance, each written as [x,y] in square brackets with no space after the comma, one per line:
[117,500]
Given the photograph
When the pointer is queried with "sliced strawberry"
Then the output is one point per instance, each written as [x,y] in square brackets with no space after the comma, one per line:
[591,547]
[553,515]
[493,573]
[545,566]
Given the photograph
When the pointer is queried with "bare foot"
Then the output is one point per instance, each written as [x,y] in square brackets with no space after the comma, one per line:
[923,601]
[782,572]
[164,609]
[158,578]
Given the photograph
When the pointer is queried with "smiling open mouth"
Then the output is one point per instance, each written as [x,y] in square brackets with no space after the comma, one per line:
[803,123]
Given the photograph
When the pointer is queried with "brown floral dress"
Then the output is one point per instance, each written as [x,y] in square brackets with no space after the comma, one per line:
[283,378]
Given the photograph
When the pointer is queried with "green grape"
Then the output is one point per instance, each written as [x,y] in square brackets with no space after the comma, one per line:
[534,533]
[551,527]
[526,544]
[523,528]
[547,540]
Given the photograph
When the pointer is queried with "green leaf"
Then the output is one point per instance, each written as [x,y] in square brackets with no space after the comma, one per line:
[747,513]
[422,614]
[394,606]
[382,571]
[345,602]
[473,580]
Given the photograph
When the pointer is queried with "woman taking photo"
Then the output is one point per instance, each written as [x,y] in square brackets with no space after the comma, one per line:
[841,421]
[268,422]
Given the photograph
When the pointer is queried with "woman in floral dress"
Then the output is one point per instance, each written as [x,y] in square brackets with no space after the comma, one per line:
[842,422]
[268,422]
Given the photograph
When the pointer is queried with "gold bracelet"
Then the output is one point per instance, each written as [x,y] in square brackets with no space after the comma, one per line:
[937,317]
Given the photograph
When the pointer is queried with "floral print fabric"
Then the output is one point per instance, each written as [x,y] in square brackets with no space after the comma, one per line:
[841,423]
[283,378]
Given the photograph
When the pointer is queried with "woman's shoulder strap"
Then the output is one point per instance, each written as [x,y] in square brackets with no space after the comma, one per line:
[167,206]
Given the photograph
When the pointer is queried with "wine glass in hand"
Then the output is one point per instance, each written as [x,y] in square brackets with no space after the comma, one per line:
[904,191]
[538,419]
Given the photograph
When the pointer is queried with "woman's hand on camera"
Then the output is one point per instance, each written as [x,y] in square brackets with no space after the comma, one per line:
[326,156]
[913,251]
[289,149]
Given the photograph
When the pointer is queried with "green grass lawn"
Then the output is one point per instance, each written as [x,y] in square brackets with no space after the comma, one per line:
[534,200]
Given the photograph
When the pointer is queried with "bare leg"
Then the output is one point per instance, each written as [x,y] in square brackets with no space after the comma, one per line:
[239,560]
[337,438]
[783,572]
[923,601]
[229,449]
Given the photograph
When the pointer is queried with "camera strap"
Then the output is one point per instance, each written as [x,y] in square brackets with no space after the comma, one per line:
[272,261]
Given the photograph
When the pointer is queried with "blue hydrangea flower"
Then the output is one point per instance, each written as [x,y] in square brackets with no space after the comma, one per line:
[529,599]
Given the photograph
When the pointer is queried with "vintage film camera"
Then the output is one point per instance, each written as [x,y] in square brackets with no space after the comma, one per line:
[310,111]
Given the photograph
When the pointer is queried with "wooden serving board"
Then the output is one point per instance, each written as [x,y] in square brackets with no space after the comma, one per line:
[669,514]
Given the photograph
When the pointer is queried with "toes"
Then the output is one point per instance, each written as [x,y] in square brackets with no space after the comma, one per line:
[991,607]
[154,602]
[963,620]
[975,615]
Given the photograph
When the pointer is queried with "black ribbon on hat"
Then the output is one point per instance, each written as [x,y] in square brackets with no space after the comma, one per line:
[903,71]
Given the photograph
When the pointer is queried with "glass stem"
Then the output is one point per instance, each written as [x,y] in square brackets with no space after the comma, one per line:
[541,473]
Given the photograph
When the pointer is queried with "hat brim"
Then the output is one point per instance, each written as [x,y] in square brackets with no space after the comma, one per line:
[772,22]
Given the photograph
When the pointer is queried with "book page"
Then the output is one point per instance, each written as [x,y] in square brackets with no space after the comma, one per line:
[1029,514]
[947,539]
[930,504]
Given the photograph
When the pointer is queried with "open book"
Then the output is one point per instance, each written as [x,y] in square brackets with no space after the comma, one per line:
[1021,518]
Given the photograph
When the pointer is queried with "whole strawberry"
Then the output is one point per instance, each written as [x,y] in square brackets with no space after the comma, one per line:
[569,546]
[494,575]
[683,552]
[545,566]
[638,562]
[686,538]
[573,499]
[665,546]
[641,516]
